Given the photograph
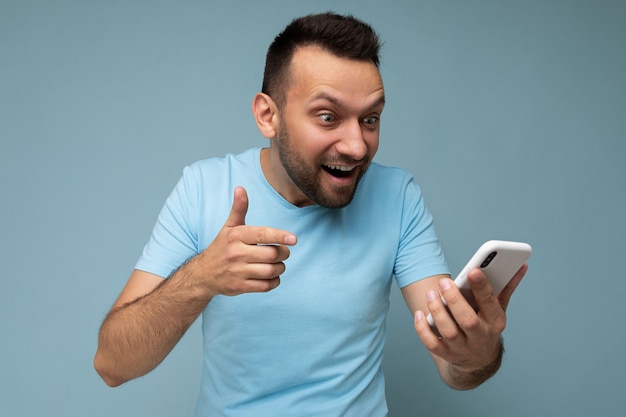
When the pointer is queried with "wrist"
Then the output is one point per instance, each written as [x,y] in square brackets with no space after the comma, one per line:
[469,379]
[189,280]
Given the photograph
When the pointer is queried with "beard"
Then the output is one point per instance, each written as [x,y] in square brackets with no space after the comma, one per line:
[308,176]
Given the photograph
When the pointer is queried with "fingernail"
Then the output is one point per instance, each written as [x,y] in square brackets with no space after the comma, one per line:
[445,284]
[290,240]
[431,295]
[419,315]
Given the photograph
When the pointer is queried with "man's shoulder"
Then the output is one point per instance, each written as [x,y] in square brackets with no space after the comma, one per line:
[382,174]
[386,188]
[248,157]
[389,169]
[219,167]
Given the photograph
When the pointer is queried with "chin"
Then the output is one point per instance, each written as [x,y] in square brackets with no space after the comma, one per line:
[336,199]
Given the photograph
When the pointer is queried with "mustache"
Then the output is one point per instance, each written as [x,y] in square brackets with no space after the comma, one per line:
[342,160]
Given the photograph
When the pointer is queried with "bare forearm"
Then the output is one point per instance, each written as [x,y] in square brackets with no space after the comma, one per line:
[136,337]
[461,379]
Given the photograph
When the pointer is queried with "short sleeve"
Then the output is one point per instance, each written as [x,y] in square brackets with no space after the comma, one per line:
[419,252]
[174,238]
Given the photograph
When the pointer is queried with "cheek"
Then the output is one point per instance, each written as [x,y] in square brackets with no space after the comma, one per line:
[309,141]
[372,141]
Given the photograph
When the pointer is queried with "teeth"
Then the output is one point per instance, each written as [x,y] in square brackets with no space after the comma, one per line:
[340,168]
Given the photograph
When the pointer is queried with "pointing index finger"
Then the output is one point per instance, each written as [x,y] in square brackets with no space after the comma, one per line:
[261,235]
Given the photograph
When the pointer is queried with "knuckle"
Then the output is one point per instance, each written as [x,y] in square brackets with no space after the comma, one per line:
[232,255]
[500,324]
[451,334]
[470,323]
[233,234]
[436,308]
[232,287]
[453,297]
[271,254]
[488,299]
[267,271]
[431,345]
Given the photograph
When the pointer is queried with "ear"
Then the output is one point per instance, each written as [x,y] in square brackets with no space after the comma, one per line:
[266,115]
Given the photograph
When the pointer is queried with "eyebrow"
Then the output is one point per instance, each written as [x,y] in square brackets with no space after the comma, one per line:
[334,100]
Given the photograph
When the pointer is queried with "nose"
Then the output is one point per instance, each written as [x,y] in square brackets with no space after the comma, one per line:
[352,143]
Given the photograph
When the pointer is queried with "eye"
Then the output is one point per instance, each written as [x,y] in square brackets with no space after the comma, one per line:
[326,118]
[372,120]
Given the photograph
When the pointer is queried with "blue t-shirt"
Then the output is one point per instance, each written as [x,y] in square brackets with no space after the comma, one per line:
[313,346]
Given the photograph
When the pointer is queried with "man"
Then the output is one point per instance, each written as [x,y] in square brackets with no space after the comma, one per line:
[290,263]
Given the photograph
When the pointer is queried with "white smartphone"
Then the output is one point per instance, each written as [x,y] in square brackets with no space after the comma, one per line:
[499,260]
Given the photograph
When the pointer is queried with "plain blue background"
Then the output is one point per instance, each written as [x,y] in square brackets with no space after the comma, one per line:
[511,115]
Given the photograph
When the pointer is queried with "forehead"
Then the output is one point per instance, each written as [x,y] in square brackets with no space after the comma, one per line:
[318,74]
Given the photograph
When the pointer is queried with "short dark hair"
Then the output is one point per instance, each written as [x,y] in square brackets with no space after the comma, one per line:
[343,36]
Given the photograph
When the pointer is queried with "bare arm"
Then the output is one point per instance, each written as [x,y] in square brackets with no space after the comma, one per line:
[144,325]
[152,314]
[470,348]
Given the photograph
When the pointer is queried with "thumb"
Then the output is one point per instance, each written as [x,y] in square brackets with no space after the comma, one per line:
[237,216]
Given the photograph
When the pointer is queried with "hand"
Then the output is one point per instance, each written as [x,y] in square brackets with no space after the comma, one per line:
[242,258]
[469,340]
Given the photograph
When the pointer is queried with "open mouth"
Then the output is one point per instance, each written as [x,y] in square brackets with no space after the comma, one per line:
[338,171]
